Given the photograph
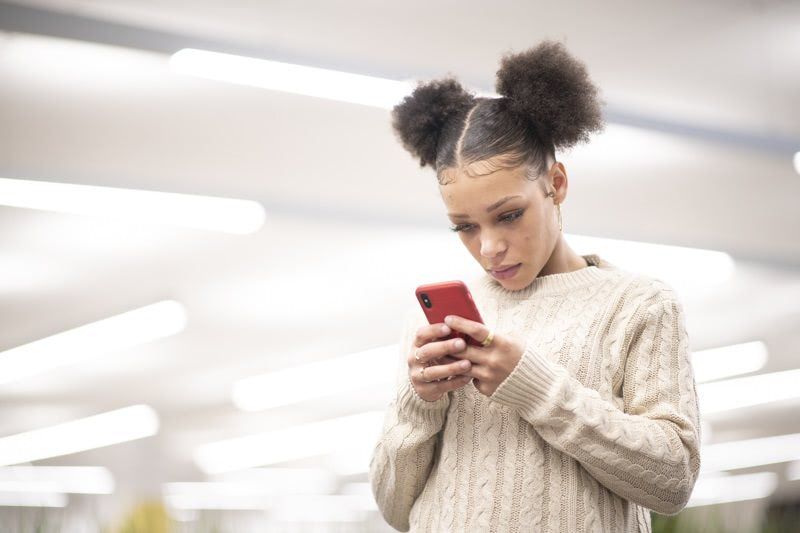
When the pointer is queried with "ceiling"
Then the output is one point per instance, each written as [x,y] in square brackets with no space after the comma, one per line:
[703,121]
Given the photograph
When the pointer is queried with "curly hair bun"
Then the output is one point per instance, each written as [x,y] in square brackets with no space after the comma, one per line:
[551,88]
[421,119]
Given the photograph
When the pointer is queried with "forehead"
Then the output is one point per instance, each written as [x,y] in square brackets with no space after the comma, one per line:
[466,194]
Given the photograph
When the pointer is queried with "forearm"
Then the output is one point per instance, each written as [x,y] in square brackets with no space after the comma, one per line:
[650,458]
[404,455]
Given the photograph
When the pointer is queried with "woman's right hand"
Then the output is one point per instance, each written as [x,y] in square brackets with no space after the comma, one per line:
[433,366]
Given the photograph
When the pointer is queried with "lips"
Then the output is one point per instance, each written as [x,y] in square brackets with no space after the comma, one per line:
[505,272]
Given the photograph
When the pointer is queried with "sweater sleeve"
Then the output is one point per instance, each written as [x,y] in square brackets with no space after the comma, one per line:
[403,457]
[648,450]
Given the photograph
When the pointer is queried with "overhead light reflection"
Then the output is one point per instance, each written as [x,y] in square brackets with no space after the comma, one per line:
[748,391]
[721,488]
[315,380]
[57,479]
[751,452]
[32,499]
[94,340]
[227,215]
[105,429]
[296,442]
[688,269]
[286,77]
[727,361]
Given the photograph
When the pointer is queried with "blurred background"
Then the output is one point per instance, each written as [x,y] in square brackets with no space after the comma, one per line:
[206,261]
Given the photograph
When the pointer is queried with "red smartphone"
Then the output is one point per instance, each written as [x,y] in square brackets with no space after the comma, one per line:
[439,300]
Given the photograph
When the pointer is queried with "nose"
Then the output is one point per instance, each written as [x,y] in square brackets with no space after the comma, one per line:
[492,245]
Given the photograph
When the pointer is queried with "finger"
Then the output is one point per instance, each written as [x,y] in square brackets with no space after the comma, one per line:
[478,372]
[437,350]
[430,333]
[476,330]
[446,385]
[434,391]
[476,356]
[442,372]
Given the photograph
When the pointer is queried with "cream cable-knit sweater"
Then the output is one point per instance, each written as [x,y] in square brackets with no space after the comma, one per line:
[597,423]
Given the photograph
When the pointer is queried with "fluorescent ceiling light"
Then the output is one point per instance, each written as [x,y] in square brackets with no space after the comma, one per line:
[112,427]
[727,361]
[142,207]
[687,268]
[797,162]
[32,499]
[248,489]
[316,380]
[751,452]
[297,442]
[323,508]
[93,340]
[352,462]
[736,393]
[712,490]
[57,479]
[286,77]
[793,472]
[357,488]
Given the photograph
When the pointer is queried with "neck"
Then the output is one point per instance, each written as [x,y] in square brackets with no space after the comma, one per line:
[562,260]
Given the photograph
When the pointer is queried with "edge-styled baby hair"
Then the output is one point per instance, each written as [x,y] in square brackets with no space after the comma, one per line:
[547,102]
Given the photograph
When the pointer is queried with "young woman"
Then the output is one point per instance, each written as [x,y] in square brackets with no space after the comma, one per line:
[578,410]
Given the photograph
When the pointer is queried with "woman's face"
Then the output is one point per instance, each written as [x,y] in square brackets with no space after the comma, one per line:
[507,221]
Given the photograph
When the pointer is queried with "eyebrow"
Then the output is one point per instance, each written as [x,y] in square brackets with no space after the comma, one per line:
[489,209]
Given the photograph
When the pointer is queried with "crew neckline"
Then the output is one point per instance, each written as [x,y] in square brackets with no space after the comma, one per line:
[554,283]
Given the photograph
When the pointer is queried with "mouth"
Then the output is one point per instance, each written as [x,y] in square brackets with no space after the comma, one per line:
[505,272]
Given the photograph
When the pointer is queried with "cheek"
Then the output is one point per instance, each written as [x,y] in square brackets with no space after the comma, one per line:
[472,243]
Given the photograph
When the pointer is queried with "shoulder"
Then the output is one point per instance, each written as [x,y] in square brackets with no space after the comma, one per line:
[639,292]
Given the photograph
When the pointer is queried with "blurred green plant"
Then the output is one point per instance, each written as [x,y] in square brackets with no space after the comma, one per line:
[147,517]
[777,520]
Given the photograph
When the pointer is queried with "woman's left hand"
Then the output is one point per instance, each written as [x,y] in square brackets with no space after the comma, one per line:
[491,364]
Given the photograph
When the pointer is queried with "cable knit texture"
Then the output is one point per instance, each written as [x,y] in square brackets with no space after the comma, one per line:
[597,424]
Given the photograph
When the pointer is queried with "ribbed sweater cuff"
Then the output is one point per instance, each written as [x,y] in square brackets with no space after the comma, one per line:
[419,410]
[530,385]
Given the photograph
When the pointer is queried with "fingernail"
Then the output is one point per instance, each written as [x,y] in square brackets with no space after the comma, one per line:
[448,319]
[445,330]
[464,365]
[459,344]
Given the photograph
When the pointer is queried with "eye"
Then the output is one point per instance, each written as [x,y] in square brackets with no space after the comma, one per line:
[462,227]
[512,216]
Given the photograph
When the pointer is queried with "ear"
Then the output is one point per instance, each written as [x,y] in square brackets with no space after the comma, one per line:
[559,181]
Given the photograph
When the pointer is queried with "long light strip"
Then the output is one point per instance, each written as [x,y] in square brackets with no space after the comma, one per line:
[752,452]
[737,393]
[796,162]
[713,490]
[688,268]
[251,491]
[793,472]
[57,479]
[286,77]
[727,361]
[227,215]
[323,508]
[112,427]
[93,340]
[32,499]
[315,380]
[288,444]
[353,461]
